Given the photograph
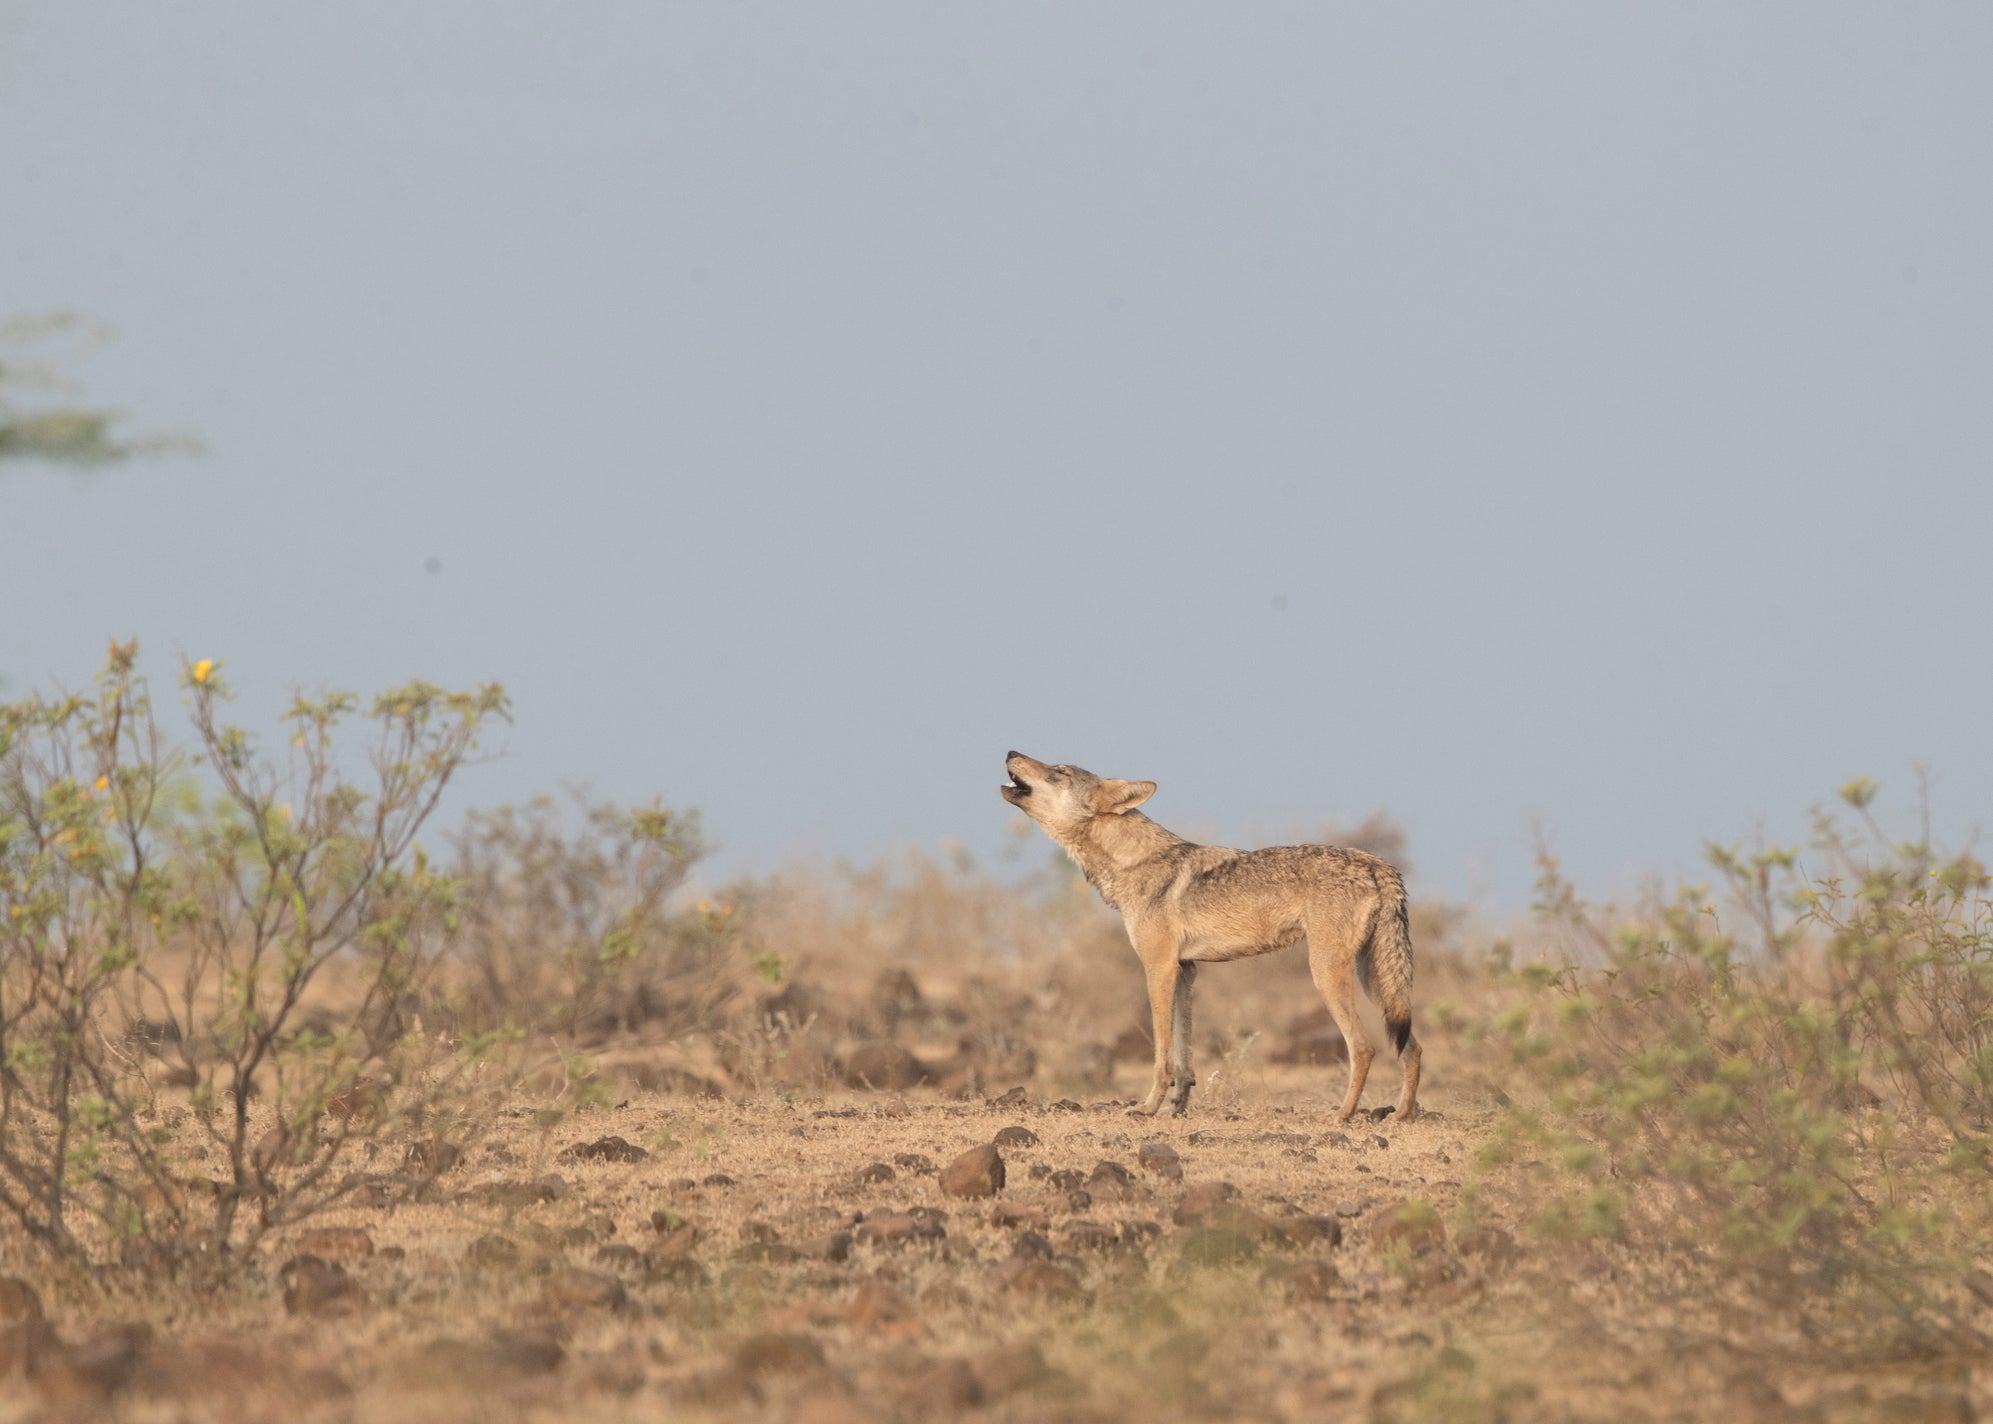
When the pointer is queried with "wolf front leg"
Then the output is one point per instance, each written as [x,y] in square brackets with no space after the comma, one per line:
[1159,966]
[1181,1077]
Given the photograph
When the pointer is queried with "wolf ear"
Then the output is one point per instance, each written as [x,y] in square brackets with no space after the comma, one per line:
[1117,797]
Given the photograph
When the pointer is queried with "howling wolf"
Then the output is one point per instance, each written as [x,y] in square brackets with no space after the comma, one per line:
[1186,905]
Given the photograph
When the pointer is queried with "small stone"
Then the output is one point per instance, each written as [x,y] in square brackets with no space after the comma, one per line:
[1110,1181]
[976,1173]
[1108,1170]
[1016,1136]
[1201,1201]
[1160,1158]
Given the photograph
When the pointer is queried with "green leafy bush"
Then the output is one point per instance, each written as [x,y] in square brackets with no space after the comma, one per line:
[1798,1107]
[213,932]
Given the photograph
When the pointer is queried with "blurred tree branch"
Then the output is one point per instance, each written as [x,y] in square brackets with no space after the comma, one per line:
[38,417]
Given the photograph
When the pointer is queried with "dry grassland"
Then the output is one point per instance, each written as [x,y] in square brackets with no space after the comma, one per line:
[790,1257]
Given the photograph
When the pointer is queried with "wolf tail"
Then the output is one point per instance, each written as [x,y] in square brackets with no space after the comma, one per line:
[1386,961]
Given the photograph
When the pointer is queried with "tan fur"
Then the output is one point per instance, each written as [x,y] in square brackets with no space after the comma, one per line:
[1186,904]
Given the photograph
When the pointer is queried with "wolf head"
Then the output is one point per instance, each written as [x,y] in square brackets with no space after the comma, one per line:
[1064,799]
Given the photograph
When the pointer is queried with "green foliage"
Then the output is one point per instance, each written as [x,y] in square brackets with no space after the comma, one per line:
[141,950]
[35,421]
[1803,1107]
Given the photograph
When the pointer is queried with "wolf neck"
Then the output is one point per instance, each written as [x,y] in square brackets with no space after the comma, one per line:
[1126,858]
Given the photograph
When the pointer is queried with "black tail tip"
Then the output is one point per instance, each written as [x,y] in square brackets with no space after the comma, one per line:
[1401,1032]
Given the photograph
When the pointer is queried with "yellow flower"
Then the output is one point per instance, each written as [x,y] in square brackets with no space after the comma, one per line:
[203,668]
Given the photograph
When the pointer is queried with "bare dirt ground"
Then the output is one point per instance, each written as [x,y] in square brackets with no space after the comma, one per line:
[811,1258]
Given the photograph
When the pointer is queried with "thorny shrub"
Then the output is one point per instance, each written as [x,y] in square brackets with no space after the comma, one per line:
[250,957]
[572,923]
[1792,1093]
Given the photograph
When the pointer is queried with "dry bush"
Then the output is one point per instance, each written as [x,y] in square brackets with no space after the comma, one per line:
[571,925]
[251,961]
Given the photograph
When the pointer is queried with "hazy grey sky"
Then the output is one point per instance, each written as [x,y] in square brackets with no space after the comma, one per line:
[1480,412]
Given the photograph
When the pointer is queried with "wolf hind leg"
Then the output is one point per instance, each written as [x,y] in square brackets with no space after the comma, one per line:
[1333,947]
